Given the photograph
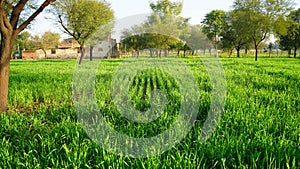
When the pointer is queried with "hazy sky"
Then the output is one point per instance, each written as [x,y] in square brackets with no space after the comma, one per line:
[195,9]
[192,8]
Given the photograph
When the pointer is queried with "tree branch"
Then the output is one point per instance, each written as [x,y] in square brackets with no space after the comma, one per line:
[2,26]
[263,37]
[5,26]
[64,27]
[15,14]
[34,15]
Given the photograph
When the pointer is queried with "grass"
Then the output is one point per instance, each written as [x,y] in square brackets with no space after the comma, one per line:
[259,128]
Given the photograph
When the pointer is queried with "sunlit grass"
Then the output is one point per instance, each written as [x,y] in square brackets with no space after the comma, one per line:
[259,128]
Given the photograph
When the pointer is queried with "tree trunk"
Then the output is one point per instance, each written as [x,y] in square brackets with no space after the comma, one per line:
[238,52]
[81,54]
[91,53]
[5,55]
[295,52]
[178,52]
[230,52]
[9,30]
[151,52]
[289,52]
[256,52]
[160,53]
[184,50]
[44,50]
[4,77]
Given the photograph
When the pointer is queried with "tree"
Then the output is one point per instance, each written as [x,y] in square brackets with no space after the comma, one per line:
[258,18]
[291,40]
[15,16]
[166,7]
[22,42]
[133,43]
[49,40]
[234,36]
[134,39]
[165,25]
[197,39]
[82,18]
[213,25]
[35,42]
[161,31]
[270,48]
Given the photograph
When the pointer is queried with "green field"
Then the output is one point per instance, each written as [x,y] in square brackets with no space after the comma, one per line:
[259,127]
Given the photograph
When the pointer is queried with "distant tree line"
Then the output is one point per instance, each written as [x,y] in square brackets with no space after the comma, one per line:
[250,23]
[247,26]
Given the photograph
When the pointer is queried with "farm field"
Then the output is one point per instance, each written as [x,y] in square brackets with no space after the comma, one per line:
[259,127]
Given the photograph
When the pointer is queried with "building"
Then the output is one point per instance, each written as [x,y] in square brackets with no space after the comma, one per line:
[70,49]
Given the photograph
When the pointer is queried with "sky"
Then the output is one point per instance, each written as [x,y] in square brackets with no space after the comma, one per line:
[194,9]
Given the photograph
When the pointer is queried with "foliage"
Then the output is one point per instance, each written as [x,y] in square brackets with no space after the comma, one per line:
[233,35]
[22,42]
[20,13]
[35,42]
[197,39]
[259,18]
[49,40]
[291,40]
[81,19]
[166,22]
[213,24]
[166,7]
[162,30]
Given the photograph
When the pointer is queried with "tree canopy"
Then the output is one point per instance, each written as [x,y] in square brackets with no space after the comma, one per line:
[258,18]
[49,40]
[82,18]
[213,24]
[291,40]
[233,35]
